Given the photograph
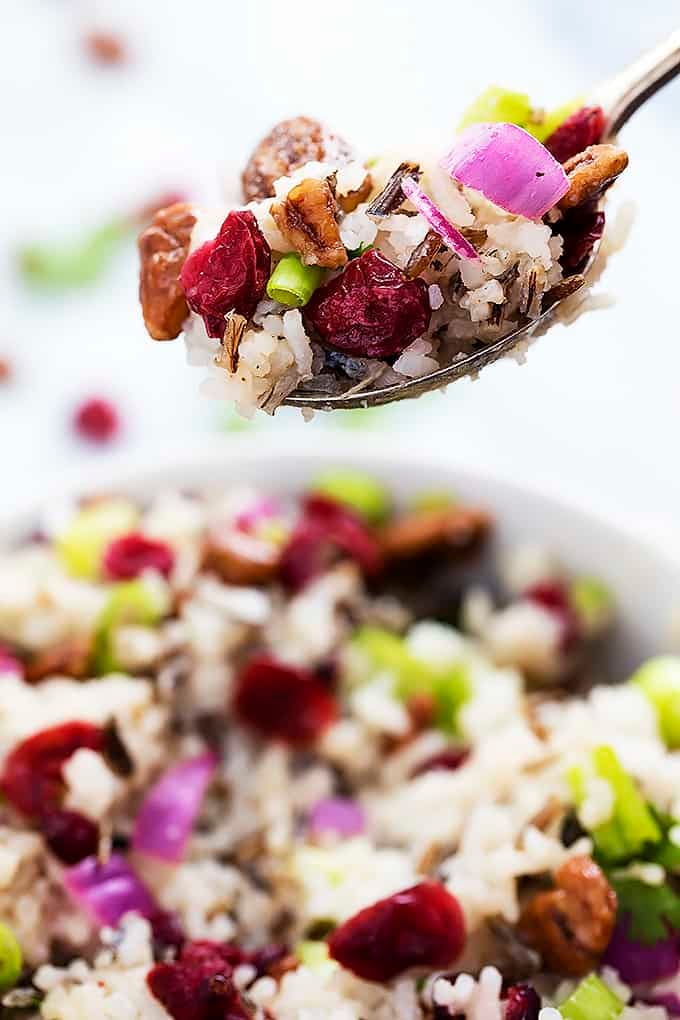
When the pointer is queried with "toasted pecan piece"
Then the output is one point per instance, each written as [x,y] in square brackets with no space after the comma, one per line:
[572,924]
[240,558]
[591,172]
[288,146]
[163,248]
[306,218]
[422,531]
[352,199]
[70,657]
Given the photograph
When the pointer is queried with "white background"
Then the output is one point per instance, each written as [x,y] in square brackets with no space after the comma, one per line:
[595,412]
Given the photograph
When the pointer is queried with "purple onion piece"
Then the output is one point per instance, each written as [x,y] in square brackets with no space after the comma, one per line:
[9,664]
[108,891]
[449,234]
[168,813]
[263,509]
[341,815]
[638,963]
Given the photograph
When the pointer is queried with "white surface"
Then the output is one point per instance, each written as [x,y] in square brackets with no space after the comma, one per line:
[594,412]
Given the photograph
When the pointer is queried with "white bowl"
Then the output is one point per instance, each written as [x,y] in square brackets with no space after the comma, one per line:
[646,580]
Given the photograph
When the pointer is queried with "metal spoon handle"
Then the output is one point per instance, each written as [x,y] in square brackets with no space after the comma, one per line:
[625,92]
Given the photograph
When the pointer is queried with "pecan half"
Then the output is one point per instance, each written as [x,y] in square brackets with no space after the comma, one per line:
[306,218]
[352,199]
[69,657]
[239,558]
[288,146]
[571,925]
[163,248]
[591,172]
[423,531]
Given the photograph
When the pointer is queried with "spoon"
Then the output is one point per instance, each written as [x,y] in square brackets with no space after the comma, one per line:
[619,97]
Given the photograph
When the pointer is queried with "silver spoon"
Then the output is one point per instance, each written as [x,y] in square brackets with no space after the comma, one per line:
[619,97]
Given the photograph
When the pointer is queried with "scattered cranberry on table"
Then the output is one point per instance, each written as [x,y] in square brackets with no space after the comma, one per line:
[97,420]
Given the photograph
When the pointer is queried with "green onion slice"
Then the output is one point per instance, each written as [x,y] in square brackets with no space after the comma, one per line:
[292,283]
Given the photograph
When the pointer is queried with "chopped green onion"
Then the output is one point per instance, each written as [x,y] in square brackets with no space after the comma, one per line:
[10,958]
[81,546]
[592,999]
[130,602]
[667,852]
[383,652]
[355,253]
[542,128]
[312,954]
[496,104]
[292,283]
[592,601]
[355,490]
[433,499]
[74,264]
[659,681]
[632,826]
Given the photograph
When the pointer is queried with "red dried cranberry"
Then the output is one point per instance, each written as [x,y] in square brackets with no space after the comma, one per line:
[552,596]
[447,760]
[420,927]
[96,420]
[583,128]
[199,985]
[283,702]
[522,1003]
[326,532]
[581,228]
[127,557]
[372,309]
[31,778]
[166,930]
[70,836]
[228,273]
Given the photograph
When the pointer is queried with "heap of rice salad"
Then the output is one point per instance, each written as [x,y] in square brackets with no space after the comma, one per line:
[339,274]
[329,759]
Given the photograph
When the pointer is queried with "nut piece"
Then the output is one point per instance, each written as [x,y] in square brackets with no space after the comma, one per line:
[288,146]
[424,531]
[163,248]
[571,926]
[70,657]
[591,172]
[239,558]
[306,218]
[352,199]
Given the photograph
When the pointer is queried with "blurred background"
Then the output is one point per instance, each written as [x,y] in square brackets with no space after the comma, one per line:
[109,105]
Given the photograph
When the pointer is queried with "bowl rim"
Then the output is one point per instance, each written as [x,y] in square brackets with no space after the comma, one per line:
[151,468]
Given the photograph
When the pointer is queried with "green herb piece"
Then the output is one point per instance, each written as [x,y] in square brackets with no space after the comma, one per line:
[592,601]
[496,104]
[81,546]
[356,490]
[659,681]
[75,264]
[632,826]
[292,283]
[10,958]
[312,954]
[130,602]
[384,652]
[652,908]
[355,253]
[592,999]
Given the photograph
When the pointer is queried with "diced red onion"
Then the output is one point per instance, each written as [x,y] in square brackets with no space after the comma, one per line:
[9,664]
[669,1001]
[262,510]
[638,963]
[509,167]
[168,812]
[336,814]
[449,234]
[108,891]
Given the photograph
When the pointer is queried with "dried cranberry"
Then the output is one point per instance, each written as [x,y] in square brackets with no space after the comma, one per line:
[70,836]
[326,532]
[583,128]
[199,985]
[96,420]
[420,927]
[166,930]
[580,229]
[522,1003]
[283,702]
[127,557]
[371,309]
[228,273]
[31,778]
[447,760]
[552,596]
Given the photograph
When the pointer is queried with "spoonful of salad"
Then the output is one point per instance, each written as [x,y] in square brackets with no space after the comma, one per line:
[344,283]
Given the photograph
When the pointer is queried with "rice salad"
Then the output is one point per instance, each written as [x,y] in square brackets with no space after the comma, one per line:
[339,274]
[326,759]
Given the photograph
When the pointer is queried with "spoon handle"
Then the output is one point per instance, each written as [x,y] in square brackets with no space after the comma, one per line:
[625,92]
